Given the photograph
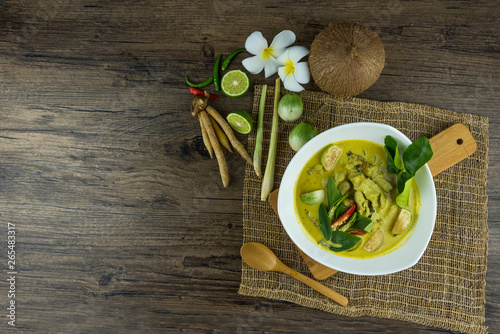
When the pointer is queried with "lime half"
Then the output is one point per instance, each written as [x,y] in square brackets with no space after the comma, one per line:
[235,83]
[240,121]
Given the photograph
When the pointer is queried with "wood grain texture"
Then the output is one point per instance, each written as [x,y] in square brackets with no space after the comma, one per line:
[122,222]
[450,146]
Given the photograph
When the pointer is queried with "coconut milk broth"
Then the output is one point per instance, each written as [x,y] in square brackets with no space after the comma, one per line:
[307,215]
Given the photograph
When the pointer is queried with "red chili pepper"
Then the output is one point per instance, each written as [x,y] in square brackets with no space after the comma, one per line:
[197,91]
[343,219]
[356,232]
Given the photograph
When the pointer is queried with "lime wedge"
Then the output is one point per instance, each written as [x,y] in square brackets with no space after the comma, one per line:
[240,121]
[235,83]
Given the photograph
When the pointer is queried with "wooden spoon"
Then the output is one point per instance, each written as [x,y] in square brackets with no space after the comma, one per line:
[259,257]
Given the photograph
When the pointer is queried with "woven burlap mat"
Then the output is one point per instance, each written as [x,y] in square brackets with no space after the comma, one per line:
[446,288]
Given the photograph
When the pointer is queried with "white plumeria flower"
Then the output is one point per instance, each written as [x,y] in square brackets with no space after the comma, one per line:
[265,56]
[294,73]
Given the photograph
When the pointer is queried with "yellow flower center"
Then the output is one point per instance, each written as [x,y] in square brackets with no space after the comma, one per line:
[267,52]
[289,67]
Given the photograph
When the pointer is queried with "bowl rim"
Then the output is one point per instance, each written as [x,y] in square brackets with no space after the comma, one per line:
[416,241]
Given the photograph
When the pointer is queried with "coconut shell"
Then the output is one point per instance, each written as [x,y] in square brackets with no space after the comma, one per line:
[346,59]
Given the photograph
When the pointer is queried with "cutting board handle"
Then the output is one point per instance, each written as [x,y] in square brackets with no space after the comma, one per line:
[450,146]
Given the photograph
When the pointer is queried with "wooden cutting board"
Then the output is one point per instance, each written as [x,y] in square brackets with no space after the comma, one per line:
[449,146]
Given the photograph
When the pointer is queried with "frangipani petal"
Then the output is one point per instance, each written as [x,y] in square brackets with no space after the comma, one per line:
[254,64]
[289,81]
[296,53]
[282,73]
[271,58]
[271,67]
[301,73]
[255,43]
[292,85]
[277,52]
[281,41]
[284,57]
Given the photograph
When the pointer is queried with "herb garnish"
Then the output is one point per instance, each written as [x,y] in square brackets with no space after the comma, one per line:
[332,192]
[324,222]
[363,224]
[414,157]
[342,241]
[337,241]
[334,200]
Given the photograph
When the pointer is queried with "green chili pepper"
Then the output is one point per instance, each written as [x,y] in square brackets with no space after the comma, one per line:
[202,84]
[216,73]
[335,206]
[344,218]
[349,223]
[226,62]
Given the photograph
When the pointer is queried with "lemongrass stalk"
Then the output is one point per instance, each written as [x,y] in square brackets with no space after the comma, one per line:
[268,181]
[257,155]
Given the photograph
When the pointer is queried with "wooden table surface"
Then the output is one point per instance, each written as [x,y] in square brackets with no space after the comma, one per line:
[121,221]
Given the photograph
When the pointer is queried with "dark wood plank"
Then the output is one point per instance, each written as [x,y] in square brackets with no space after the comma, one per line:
[121,219]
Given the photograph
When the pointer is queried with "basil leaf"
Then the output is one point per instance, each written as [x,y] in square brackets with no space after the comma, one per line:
[391,145]
[404,196]
[394,163]
[342,241]
[391,168]
[362,224]
[414,157]
[400,181]
[363,219]
[332,193]
[325,226]
[417,154]
[397,160]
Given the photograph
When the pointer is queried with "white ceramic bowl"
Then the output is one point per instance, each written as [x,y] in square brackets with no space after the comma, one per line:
[416,240]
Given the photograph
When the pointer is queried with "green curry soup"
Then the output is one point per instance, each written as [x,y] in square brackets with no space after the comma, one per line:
[358,169]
